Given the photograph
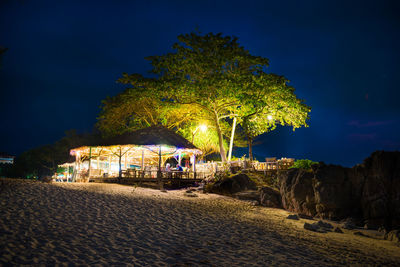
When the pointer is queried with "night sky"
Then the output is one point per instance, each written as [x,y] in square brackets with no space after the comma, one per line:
[342,57]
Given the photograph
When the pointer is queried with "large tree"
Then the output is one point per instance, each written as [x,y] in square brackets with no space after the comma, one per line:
[143,106]
[205,72]
[214,76]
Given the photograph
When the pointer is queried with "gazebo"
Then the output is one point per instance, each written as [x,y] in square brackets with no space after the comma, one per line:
[141,150]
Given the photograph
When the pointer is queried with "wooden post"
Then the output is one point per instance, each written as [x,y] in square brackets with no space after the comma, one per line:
[159,176]
[109,165]
[194,166]
[142,167]
[90,161]
[75,171]
[68,173]
[126,167]
[159,159]
[120,169]
[180,158]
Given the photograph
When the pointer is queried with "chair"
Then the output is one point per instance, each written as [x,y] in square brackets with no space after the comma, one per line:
[285,163]
[271,164]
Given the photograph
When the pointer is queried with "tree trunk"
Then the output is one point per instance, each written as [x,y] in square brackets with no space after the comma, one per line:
[220,139]
[232,137]
[250,144]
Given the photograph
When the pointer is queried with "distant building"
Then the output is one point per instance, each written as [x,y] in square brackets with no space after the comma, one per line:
[6,159]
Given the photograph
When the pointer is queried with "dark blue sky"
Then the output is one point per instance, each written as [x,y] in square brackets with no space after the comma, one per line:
[342,57]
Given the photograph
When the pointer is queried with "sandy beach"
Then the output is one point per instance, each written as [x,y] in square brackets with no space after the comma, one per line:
[109,224]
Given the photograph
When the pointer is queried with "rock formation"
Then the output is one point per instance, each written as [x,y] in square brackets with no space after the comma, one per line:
[369,192]
[270,197]
[231,185]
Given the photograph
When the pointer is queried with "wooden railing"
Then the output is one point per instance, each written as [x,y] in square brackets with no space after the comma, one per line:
[154,174]
[203,170]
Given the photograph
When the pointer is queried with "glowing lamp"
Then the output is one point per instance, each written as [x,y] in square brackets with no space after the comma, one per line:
[203,127]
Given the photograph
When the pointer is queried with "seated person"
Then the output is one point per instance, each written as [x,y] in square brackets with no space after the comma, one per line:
[179,168]
[168,167]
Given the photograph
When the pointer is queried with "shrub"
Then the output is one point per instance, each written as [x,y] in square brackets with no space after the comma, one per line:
[303,164]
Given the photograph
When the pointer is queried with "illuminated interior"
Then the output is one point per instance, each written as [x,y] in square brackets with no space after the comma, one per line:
[104,161]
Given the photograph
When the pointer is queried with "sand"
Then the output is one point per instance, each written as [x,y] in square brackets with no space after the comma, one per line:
[109,224]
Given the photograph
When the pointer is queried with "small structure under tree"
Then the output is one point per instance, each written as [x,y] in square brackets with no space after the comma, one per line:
[137,150]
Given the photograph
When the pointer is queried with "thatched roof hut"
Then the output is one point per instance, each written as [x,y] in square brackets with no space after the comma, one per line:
[154,135]
[145,147]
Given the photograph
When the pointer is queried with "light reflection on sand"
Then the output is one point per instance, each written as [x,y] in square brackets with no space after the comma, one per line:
[109,224]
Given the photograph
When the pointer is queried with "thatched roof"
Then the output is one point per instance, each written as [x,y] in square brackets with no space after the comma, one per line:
[154,135]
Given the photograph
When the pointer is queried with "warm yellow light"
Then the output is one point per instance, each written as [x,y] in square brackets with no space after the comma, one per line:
[269,117]
[203,127]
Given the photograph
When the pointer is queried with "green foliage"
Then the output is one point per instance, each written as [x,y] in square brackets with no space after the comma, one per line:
[206,141]
[137,108]
[303,164]
[206,78]
[62,170]
[43,161]
[270,102]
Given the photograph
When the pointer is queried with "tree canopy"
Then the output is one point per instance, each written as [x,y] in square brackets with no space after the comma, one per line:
[44,160]
[272,102]
[207,78]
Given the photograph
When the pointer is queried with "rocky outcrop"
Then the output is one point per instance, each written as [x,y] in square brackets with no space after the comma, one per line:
[270,197]
[234,184]
[393,235]
[296,189]
[242,187]
[380,200]
[250,195]
[333,192]
[320,226]
[369,192]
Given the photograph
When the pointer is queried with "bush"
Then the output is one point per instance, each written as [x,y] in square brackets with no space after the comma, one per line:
[303,164]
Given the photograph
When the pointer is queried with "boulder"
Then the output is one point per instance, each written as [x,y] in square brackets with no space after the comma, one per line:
[359,233]
[338,230]
[234,184]
[311,227]
[253,195]
[314,227]
[270,197]
[333,192]
[190,194]
[320,226]
[349,224]
[369,192]
[292,217]
[393,235]
[303,216]
[296,188]
[380,199]
[325,225]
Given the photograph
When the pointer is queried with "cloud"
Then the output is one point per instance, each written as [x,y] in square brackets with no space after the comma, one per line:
[391,144]
[358,124]
[363,137]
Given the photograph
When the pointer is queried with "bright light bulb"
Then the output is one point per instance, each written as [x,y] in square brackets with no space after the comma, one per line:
[269,117]
[203,127]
